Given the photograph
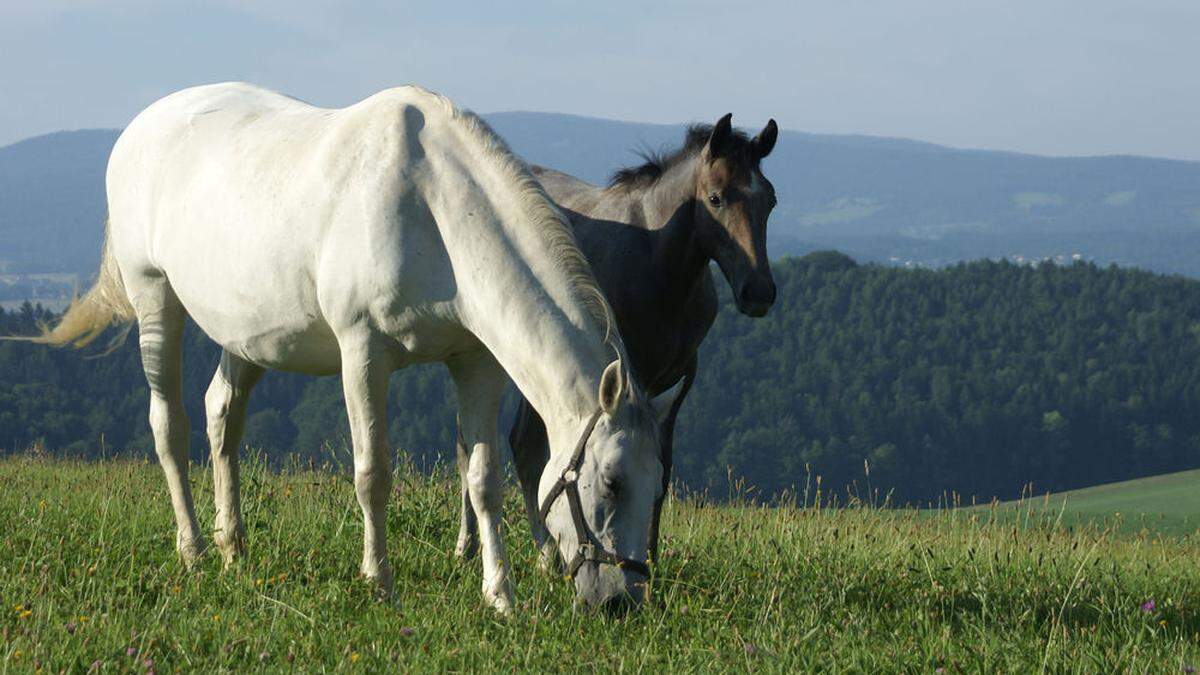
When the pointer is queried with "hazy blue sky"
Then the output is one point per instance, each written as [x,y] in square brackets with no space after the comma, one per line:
[1044,76]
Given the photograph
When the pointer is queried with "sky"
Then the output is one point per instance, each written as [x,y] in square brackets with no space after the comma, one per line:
[1083,77]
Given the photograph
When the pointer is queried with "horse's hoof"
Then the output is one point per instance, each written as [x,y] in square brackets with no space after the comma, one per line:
[382,582]
[190,552]
[502,602]
[499,594]
[233,549]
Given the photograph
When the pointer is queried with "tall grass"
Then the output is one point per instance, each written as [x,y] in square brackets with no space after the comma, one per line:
[90,581]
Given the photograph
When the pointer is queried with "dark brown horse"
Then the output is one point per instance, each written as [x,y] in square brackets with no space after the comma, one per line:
[649,237]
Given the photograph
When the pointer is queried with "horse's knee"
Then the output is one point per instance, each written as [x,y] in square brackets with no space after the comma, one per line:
[483,477]
[217,401]
[372,480]
[167,419]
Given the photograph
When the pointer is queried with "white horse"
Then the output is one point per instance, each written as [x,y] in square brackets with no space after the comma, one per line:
[398,230]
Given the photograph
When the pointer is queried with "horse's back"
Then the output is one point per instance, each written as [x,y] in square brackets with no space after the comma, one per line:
[245,199]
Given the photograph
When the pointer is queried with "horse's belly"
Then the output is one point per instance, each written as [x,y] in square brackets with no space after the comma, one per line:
[274,325]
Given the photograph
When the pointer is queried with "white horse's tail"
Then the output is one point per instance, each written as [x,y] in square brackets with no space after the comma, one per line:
[104,305]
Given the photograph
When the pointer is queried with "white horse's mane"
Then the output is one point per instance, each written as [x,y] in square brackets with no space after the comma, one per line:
[552,223]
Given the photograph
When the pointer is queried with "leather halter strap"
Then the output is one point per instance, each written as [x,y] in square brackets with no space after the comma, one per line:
[590,548]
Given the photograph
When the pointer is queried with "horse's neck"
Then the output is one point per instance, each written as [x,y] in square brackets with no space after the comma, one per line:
[669,212]
[519,299]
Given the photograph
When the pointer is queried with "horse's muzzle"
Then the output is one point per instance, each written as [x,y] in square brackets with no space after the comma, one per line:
[609,589]
[756,295]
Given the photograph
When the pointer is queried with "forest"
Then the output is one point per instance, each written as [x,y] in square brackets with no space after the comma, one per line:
[915,384]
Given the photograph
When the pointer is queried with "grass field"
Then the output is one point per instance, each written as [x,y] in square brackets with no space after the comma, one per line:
[90,581]
[1169,504]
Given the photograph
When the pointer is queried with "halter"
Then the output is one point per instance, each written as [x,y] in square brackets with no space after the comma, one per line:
[590,548]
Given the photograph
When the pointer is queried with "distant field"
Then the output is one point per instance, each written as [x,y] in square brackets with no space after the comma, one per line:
[1169,504]
[90,582]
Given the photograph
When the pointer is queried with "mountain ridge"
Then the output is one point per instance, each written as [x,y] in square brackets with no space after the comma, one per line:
[894,200]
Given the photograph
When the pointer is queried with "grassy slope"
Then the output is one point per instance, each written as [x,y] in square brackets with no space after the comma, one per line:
[1169,504]
[88,574]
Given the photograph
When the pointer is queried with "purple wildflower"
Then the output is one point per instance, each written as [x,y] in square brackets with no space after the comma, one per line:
[149,663]
[1148,606]
[1189,669]
[407,631]
[131,652]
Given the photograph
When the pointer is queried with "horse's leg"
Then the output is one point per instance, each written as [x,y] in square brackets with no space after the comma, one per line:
[668,450]
[468,525]
[365,371]
[531,451]
[480,383]
[160,333]
[225,406]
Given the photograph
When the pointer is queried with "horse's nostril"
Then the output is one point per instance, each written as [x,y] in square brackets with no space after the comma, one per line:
[619,604]
[757,295]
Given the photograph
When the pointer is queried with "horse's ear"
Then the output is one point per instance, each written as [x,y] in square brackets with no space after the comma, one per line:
[721,138]
[764,142]
[666,401]
[612,386]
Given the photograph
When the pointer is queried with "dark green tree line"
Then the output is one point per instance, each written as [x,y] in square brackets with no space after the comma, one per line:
[976,378]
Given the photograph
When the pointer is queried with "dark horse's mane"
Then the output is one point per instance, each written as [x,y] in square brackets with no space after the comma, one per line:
[657,163]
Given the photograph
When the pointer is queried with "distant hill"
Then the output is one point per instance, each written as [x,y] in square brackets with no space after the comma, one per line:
[1169,503]
[52,202]
[884,199]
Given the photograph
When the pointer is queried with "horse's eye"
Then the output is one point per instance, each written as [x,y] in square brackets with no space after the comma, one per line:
[714,199]
[612,486]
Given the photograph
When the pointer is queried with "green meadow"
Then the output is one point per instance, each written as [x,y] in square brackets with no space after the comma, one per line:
[1168,504]
[90,583]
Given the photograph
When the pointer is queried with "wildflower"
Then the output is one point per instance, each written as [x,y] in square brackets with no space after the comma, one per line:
[131,652]
[25,614]
[175,589]
[353,657]
[1189,669]
[148,663]
[1148,606]
[263,655]
[406,631]
[217,618]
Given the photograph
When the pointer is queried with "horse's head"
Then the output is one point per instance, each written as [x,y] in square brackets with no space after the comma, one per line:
[732,202]
[598,493]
